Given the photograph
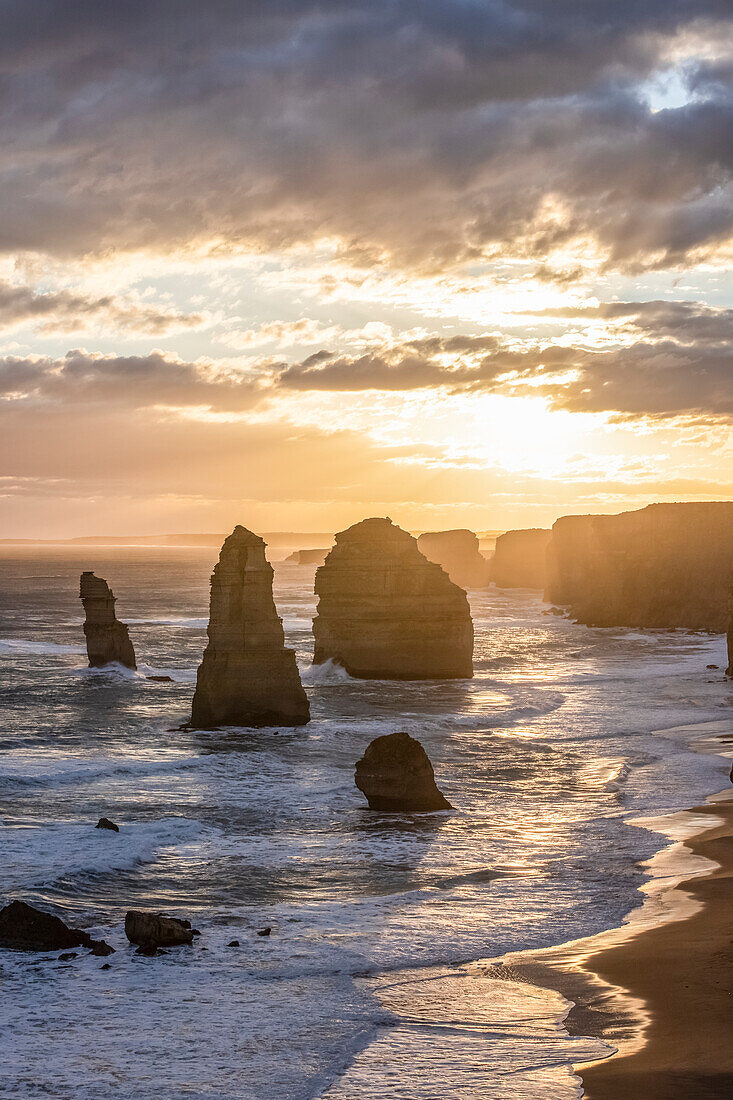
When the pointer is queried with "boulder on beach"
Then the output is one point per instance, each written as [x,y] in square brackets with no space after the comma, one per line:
[108,640]
[520,559]
[396,775]
[247,677]
[386,613]
[155,930]
[457,552]
[25,928]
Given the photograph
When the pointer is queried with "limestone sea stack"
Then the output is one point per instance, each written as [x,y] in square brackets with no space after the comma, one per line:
[386,613]
[458,553]
[108,640]
[520,559]
[664,566]
[247,676]
[307,557]
[396,775]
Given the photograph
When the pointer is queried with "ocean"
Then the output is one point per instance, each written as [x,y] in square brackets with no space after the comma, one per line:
[564,737]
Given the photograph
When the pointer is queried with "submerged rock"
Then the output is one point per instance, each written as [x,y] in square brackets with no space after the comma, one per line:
[520,559]
[664,566]
[459,555]
[105,823]
[108,640]
[247,676]
[396,775]
[25,928]
[385,612]
[153,930]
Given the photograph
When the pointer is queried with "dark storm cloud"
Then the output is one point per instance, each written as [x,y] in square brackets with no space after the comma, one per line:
[65,311]
[681,364]
[429,130]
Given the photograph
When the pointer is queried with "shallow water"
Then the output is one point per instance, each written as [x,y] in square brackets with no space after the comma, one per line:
[545,754]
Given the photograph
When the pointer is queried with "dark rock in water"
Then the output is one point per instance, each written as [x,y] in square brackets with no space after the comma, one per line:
[520,559]
[156,930]
[665,566]
[68,955]
[247,676]
[24,928]
[264,931]
[457,552]
[105,966]
[108,640]
[712,666]
[105,823]
[101,949]
[386,613]
[233,943]
[161,679]
[396,775]
[149,949]
[308,557]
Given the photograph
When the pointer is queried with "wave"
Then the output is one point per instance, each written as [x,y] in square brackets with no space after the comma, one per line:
[27,647]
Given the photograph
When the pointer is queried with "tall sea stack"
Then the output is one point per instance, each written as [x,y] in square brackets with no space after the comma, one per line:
[386,613]
[108,641]
[665,566]
[458,553]
[520,559]
[247,676]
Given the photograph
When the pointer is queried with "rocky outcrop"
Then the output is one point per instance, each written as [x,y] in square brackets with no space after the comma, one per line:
[385,612]
[108,641]
[308,557]
[396,775]
[154,930]
[729,670]
[520,559]
[25,928]
[458,554]
[247,676]
[665,566]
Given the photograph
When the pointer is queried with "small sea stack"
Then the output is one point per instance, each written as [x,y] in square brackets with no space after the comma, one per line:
[520,559]
[457,552]
[386,613]
[395,775]
[307,557]
[247,676]
[108,640]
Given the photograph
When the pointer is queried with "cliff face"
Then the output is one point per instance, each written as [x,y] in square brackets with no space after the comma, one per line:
[520,559]
[108,640]
[247,676]
[458,554]
[386,613]
[667,565]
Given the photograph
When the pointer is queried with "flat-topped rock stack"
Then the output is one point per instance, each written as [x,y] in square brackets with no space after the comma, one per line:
[520,559]
[247,676]
[459,555]
[664,566]
[385,612]
[108,640]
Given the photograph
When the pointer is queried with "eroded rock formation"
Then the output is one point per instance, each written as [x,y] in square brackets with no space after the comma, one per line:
[385,612]
[665,566]
[396,775]
[520,559]
[729,670]
[154,930]
[247,676]
[308,557]
[459,555]
[108,640]
[25,928]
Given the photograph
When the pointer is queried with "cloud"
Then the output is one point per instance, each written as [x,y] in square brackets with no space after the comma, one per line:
[421,133]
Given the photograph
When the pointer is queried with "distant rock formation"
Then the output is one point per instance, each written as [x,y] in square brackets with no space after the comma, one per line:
[247,676]
[308,557]
[729,670]
[520,559]
[25,928]
[665,566]
[459,555]
[154,930]
[386,613]
[108,640]
[396,775]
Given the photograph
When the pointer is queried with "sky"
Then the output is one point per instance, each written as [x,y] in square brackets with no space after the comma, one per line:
[291,264]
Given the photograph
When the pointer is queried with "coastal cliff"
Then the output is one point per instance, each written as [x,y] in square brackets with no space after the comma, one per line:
[247,676]
[108,640]
[385,612]
[520,559]
[665,566]
[459,555]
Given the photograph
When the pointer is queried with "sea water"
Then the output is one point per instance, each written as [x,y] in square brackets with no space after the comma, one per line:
[547,754]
